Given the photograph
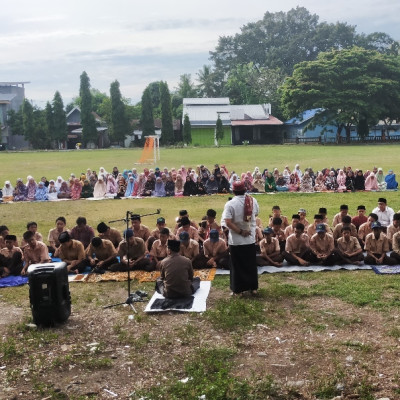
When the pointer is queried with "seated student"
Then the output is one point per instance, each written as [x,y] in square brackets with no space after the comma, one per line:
[32,227]
[176,274]
[322,247]
[344,210]
[183,213]
[209,224]
[112,234]
[101,254]
[158,250]
[189,247]
[35,252]
[270,253]
[312,229]
[346,221]
[155,233]
[278,232]
[132,252]
[87,190]
[297,247]
[393,227]
[390,180]
[82,232]
[366,229]
[290,229]
[7,192]
[395,254]
[361,218]
[186,227]
[349,250]
[72,252]
[139,230]
[303,213]
[4,231]
[276,213]
[324,212]
[54,234]
[216,254]
[11,258]
[376,246]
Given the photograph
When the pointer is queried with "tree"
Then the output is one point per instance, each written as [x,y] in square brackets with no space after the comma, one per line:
[219,130]
[187,130]
[186,88]
[15,122]
[147,119]
[354,86]
[48,111]
[208,85]
[27,120]
[167,128]
[89,130]
[120,122]
[59,128]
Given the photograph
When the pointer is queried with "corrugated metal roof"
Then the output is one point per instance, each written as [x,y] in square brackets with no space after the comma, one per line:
[304,116]
[206,113]
[253,122]
[206,101]
[250,111]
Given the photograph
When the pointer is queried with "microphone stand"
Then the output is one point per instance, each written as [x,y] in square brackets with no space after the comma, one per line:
[132,297]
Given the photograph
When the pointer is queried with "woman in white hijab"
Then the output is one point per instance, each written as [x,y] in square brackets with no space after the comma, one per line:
[100,188]
[58,183]
[8,191]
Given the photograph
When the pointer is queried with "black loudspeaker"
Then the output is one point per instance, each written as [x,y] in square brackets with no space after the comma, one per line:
[49,293]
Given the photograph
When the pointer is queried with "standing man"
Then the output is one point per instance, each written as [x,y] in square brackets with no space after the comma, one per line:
[384,213]
[240,218]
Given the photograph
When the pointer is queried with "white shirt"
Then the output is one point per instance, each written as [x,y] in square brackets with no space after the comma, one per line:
[234,210]
[384,217]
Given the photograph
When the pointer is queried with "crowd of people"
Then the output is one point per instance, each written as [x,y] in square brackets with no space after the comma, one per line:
[195,182]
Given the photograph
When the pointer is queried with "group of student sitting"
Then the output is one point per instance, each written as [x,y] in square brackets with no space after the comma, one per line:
[205,244]
[194,182]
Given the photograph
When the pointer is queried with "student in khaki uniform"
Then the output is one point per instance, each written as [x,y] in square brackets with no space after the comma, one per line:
[216,251]
[322,247]
[72,252]
[348,248]
[290,229]
[393,228]
[297,250]
[35,252]
[139,230]
[366,229]
[101,254]
[346,221]
[11,257]
[270,250]
[159,248]
[395,254]
[376,246]
[318,219]
[111,234]
[337,219]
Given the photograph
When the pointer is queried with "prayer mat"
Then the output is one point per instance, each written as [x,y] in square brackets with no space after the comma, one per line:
[295,268]
[386,269]
[198,305]
[207,274]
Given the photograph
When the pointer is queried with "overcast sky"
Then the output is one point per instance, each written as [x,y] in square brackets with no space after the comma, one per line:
[50,43]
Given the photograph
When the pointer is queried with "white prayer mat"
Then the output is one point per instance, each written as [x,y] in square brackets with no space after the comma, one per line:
[199,302]
[295,268]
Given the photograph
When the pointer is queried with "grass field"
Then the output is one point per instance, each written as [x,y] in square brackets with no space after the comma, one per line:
[307,335]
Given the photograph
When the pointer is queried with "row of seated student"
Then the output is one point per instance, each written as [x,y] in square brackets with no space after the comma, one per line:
[204,244]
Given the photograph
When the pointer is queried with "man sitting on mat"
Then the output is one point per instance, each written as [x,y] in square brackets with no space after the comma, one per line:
[11,258]
[176,279]
[376,246]
[348,249]
[72,252]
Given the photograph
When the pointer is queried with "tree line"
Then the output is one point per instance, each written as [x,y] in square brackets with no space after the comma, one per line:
[289,59]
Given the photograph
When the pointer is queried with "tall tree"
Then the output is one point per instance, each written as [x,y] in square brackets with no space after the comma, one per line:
[120,122]
[353,86]
[187,130]
[147,119]
[48,111]
[167,128]
[89,130]
[219,130]
[186,88]
[208,82]
[15,122]
[60,131]
[27,120]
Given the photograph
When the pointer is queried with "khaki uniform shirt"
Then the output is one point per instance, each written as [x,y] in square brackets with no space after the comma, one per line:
[137,249]
[143,232]
[191,250]
[37,255]
[9,253]
[288,231]
[177,274]
[213,249]
[323,245]
[38,236]
[269,248]
[113,235]
[391,230]
[156,233]
[193,233]
[73,253]
[396,242]
[337,232]
[297,245]
[53,236]
[159,250]
[104,251]
[364,230]
[312,229]
[350,247]
[377,246]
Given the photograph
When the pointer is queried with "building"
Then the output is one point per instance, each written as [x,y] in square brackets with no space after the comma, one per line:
[12,95]
[243,124]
